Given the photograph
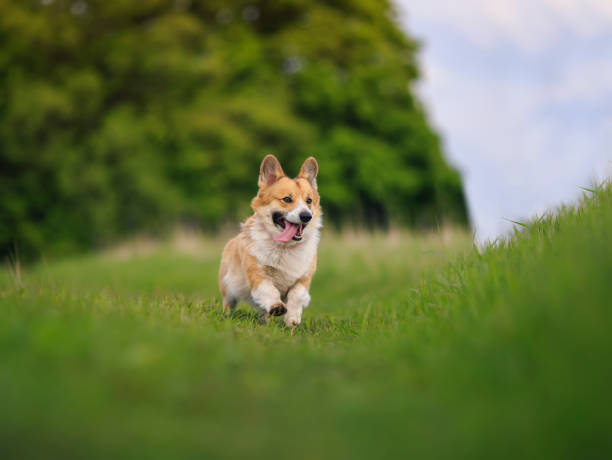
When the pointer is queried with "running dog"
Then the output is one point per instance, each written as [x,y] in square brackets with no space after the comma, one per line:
[271,262]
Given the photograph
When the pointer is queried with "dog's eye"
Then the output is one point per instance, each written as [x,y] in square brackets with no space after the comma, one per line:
[287,199]
[309,201]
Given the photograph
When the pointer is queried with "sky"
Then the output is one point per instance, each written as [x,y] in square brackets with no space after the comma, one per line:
[521,93]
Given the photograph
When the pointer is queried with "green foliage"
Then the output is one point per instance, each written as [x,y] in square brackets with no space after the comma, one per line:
[128,116]
[502,352]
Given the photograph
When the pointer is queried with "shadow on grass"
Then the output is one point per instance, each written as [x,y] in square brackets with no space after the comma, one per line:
[311,326]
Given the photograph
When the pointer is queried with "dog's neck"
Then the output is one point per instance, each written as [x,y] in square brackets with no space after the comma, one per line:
[293,257]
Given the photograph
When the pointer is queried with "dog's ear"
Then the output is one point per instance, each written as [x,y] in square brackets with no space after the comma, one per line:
[270,171]
[309,171]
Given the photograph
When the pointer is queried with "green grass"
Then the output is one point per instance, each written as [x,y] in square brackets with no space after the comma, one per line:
[414,346]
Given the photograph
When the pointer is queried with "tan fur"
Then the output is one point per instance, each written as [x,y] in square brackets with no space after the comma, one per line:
[274,276]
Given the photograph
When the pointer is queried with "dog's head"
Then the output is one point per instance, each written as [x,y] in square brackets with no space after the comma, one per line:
[288,208]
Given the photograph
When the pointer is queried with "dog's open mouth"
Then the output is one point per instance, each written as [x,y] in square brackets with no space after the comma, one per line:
[290,231]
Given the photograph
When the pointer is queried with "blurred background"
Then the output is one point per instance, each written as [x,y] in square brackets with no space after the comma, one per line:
[120,118]
[521,91]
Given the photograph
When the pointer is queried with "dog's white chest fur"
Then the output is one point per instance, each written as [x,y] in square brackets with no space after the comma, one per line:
[285,263]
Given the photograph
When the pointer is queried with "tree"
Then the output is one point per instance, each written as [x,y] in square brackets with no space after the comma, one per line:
[128,116]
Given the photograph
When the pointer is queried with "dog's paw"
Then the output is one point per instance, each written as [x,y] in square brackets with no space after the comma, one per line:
[278,310]
[293,318]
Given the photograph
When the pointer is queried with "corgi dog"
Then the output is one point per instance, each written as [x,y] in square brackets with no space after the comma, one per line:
[271,262]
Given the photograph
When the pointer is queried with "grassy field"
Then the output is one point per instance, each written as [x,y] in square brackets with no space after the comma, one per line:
[413,346]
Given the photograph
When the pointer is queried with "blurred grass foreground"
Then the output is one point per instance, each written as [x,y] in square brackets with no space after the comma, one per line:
[121,117]
[413,347]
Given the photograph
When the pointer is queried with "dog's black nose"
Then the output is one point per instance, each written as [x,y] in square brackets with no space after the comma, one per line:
[305,217]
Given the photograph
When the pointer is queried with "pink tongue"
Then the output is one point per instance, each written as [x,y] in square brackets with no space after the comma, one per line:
[288,233]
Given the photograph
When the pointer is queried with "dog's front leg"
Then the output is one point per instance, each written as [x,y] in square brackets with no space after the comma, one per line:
[263,291]
[297,298]
[267,297]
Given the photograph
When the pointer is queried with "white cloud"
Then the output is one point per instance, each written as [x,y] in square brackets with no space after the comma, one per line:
[585,80]
[531,25]
[522,93]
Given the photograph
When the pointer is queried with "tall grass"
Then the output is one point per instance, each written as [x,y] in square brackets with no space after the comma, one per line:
[420,346]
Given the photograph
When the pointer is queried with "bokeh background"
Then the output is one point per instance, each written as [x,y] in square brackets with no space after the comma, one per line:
[133,117]
[521,91]
[120,118]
